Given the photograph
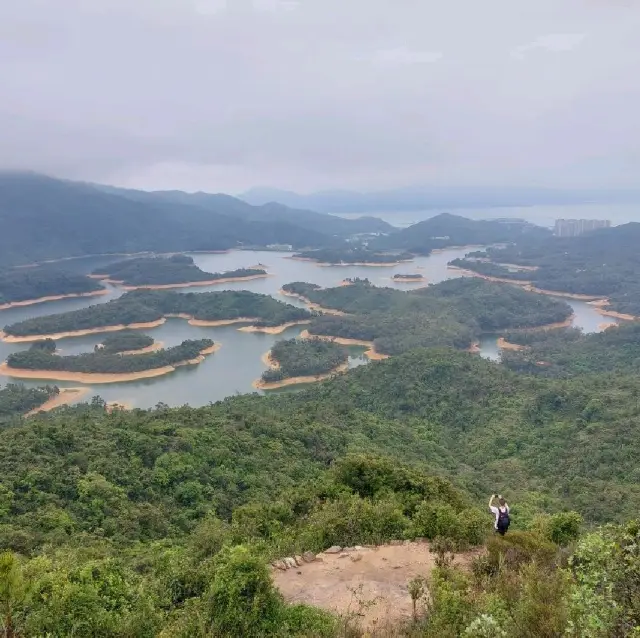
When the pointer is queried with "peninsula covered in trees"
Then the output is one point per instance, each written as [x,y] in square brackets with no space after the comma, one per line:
[302,360]
[453,313]
[569,352]
[167,272]
[146,308]
[16,399]
[22,286]
[39,361]
[353,256]
[163,520]
[604,263]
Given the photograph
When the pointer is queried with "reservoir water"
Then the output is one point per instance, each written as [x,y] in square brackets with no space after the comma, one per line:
[238,363]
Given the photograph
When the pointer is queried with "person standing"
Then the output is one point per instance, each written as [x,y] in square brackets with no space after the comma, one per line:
[501,513]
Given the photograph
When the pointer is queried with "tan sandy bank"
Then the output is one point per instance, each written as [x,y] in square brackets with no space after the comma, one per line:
[81,333]
[314,306]
[409,280]
[191,284]
[370,353]
[112,406]
[274,330]
[259,384]
[474,348]
[216,323]
[567,323]
[503,344]
[31,302]
[600,306]
[93,378]
[66,396]
[606,326]
[154,347]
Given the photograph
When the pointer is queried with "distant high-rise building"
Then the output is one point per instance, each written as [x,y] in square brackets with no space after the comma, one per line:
[575,227]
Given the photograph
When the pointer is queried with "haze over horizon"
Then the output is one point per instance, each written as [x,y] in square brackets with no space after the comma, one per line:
[225,96]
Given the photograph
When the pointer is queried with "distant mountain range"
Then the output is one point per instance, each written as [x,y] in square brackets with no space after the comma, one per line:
[425,198]
[44,218]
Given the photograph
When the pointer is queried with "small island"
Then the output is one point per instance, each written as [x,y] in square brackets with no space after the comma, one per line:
[27,286]
[128,342]
[176,271]
[101,367]
[408,278]
[298,361]
[144,309]
[352,257]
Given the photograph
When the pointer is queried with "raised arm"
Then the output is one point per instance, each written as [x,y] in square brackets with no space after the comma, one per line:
[491,500]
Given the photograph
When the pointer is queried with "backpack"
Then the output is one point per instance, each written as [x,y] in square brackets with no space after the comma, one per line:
[503,520]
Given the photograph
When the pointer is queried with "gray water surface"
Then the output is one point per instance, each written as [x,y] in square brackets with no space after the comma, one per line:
[238,363]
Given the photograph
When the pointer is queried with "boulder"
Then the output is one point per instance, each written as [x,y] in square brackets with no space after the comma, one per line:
[308,557]
[290,562]
[280,564]
[298,560]
[335,549]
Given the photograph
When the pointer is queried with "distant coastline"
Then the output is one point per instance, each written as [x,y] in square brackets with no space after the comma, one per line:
[186,284]
[314,306]
[101,378]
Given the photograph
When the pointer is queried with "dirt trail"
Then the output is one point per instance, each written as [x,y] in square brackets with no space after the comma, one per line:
[377,576]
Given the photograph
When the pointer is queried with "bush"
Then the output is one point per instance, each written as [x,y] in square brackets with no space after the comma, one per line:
[564,528]
[242,600]
[441,519]
[518,548]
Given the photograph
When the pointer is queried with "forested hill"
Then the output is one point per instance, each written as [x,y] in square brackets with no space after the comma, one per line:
[452,230]
[44,218]
[604,263]
[24,284]
[452,313]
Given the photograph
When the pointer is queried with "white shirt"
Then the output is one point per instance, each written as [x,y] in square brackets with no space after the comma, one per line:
[496,511]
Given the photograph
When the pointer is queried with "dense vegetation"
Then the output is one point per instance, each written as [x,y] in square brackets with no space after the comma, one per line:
[353,256]
[408,276]
[160,522]
[490,269]
[304,357]
[140,306]
[99,362]
[125,341]
[177,269]
[44,218]
[17,399]
[22,284]
[602,263]
[565,353]
[446,230]
[452,313]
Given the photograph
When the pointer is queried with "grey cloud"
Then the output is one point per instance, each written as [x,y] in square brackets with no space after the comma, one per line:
[223,95]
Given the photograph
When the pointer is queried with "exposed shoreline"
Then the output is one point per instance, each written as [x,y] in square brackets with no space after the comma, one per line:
[31,302]
[343,341]
[66,396]
[567,323]
[274,330]
[188,284]
[503,344]
[7,338]
[500,280]
[99,377]
[314,306]
[158,345]
[600,307]
[270,362]
[409,280]
[474,348]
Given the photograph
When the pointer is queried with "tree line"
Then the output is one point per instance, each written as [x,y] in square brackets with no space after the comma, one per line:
[141,306]
[304,357]
[99,362]
[148,271]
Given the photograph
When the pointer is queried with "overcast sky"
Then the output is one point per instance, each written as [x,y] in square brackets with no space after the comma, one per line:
[366,94]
